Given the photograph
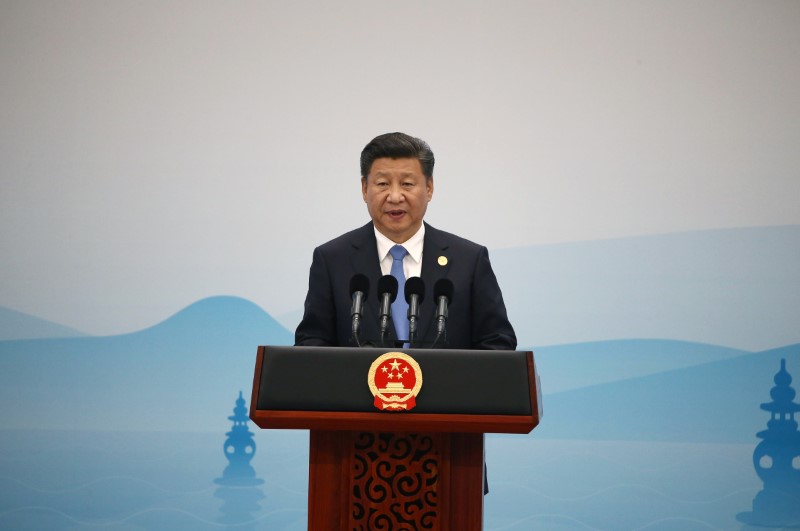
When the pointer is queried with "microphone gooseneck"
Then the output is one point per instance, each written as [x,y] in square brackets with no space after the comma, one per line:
[387,293]
[443,295]
[415,294]
[359,288]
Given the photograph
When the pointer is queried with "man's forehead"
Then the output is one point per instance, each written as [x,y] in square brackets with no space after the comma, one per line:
[390,172]
[402,166]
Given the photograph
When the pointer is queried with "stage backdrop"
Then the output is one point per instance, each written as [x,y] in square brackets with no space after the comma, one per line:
[166,169]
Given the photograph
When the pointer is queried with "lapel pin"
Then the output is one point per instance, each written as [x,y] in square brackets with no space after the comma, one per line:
[442,260]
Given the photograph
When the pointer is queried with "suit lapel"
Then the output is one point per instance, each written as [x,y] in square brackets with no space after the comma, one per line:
[364,260]
[435,266]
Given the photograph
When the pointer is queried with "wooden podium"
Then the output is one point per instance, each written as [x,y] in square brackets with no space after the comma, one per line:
[421,468]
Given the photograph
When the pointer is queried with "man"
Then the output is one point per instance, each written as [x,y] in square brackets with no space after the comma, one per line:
[397,185]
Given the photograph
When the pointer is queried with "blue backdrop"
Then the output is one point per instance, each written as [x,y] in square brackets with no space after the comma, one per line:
[166,170]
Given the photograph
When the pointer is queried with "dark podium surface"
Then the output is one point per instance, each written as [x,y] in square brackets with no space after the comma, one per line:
[417,469]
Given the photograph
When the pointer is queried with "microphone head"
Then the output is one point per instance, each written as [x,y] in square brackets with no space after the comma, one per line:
[443,288]
[360,283]
[387,284]
[415,286]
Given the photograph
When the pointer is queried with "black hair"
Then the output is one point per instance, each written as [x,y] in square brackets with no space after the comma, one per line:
[397,146]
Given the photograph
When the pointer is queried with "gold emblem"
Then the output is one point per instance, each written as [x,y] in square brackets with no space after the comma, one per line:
[442,260]
[395,380]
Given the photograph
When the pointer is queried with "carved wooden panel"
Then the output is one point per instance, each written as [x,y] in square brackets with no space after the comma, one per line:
[395,481]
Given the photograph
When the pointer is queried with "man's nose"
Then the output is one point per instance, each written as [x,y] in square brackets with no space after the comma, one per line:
[396,194]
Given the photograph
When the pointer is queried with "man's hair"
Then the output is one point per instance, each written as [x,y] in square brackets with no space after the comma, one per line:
[397,146]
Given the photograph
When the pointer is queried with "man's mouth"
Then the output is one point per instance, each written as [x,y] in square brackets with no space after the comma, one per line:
[396,213]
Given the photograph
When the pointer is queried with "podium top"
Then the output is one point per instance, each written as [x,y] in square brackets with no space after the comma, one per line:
[462,390]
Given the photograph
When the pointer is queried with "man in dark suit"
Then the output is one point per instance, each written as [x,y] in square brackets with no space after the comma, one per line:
[397,185]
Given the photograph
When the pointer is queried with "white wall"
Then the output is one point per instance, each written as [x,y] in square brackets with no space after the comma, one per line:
[154,153]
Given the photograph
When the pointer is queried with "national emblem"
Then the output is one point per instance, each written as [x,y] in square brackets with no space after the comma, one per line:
[395,379]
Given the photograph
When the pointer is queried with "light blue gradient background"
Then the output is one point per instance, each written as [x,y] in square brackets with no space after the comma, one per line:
[155,153]
[166,169]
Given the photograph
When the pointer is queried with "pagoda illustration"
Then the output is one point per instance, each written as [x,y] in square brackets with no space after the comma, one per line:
[239,487]
[777,460]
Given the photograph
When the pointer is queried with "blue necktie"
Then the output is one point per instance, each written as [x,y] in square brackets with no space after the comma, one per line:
[399,306]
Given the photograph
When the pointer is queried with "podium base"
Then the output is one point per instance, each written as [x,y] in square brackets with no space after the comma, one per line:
[378,480]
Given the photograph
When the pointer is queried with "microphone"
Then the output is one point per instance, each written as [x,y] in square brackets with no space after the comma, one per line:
[359,287]
[443,295]
[387,293]
[415,293]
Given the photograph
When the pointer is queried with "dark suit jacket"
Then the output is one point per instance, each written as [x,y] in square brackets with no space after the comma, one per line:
[476,316]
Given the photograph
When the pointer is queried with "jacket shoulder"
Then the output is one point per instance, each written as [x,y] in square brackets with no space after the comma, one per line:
[356,237]
[445,239]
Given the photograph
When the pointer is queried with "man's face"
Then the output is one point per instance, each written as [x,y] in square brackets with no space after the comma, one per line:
[397,196]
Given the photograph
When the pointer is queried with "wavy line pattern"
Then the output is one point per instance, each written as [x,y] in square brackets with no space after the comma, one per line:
[597,457]
[128,518]
[569,485]
[107,479]
[681,521]
[621,486]
[546,516]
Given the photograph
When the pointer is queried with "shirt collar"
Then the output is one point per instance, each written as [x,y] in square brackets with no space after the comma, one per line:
[413,245]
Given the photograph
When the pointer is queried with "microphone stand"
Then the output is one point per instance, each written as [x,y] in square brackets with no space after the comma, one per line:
[440,335]
[443,295]
[356,329]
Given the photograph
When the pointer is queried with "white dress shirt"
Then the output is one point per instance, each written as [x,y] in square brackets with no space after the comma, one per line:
[412,263]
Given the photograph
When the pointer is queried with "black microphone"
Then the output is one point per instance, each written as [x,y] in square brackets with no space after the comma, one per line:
[387,293]
[415,293]
[443,295]
[359,287]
